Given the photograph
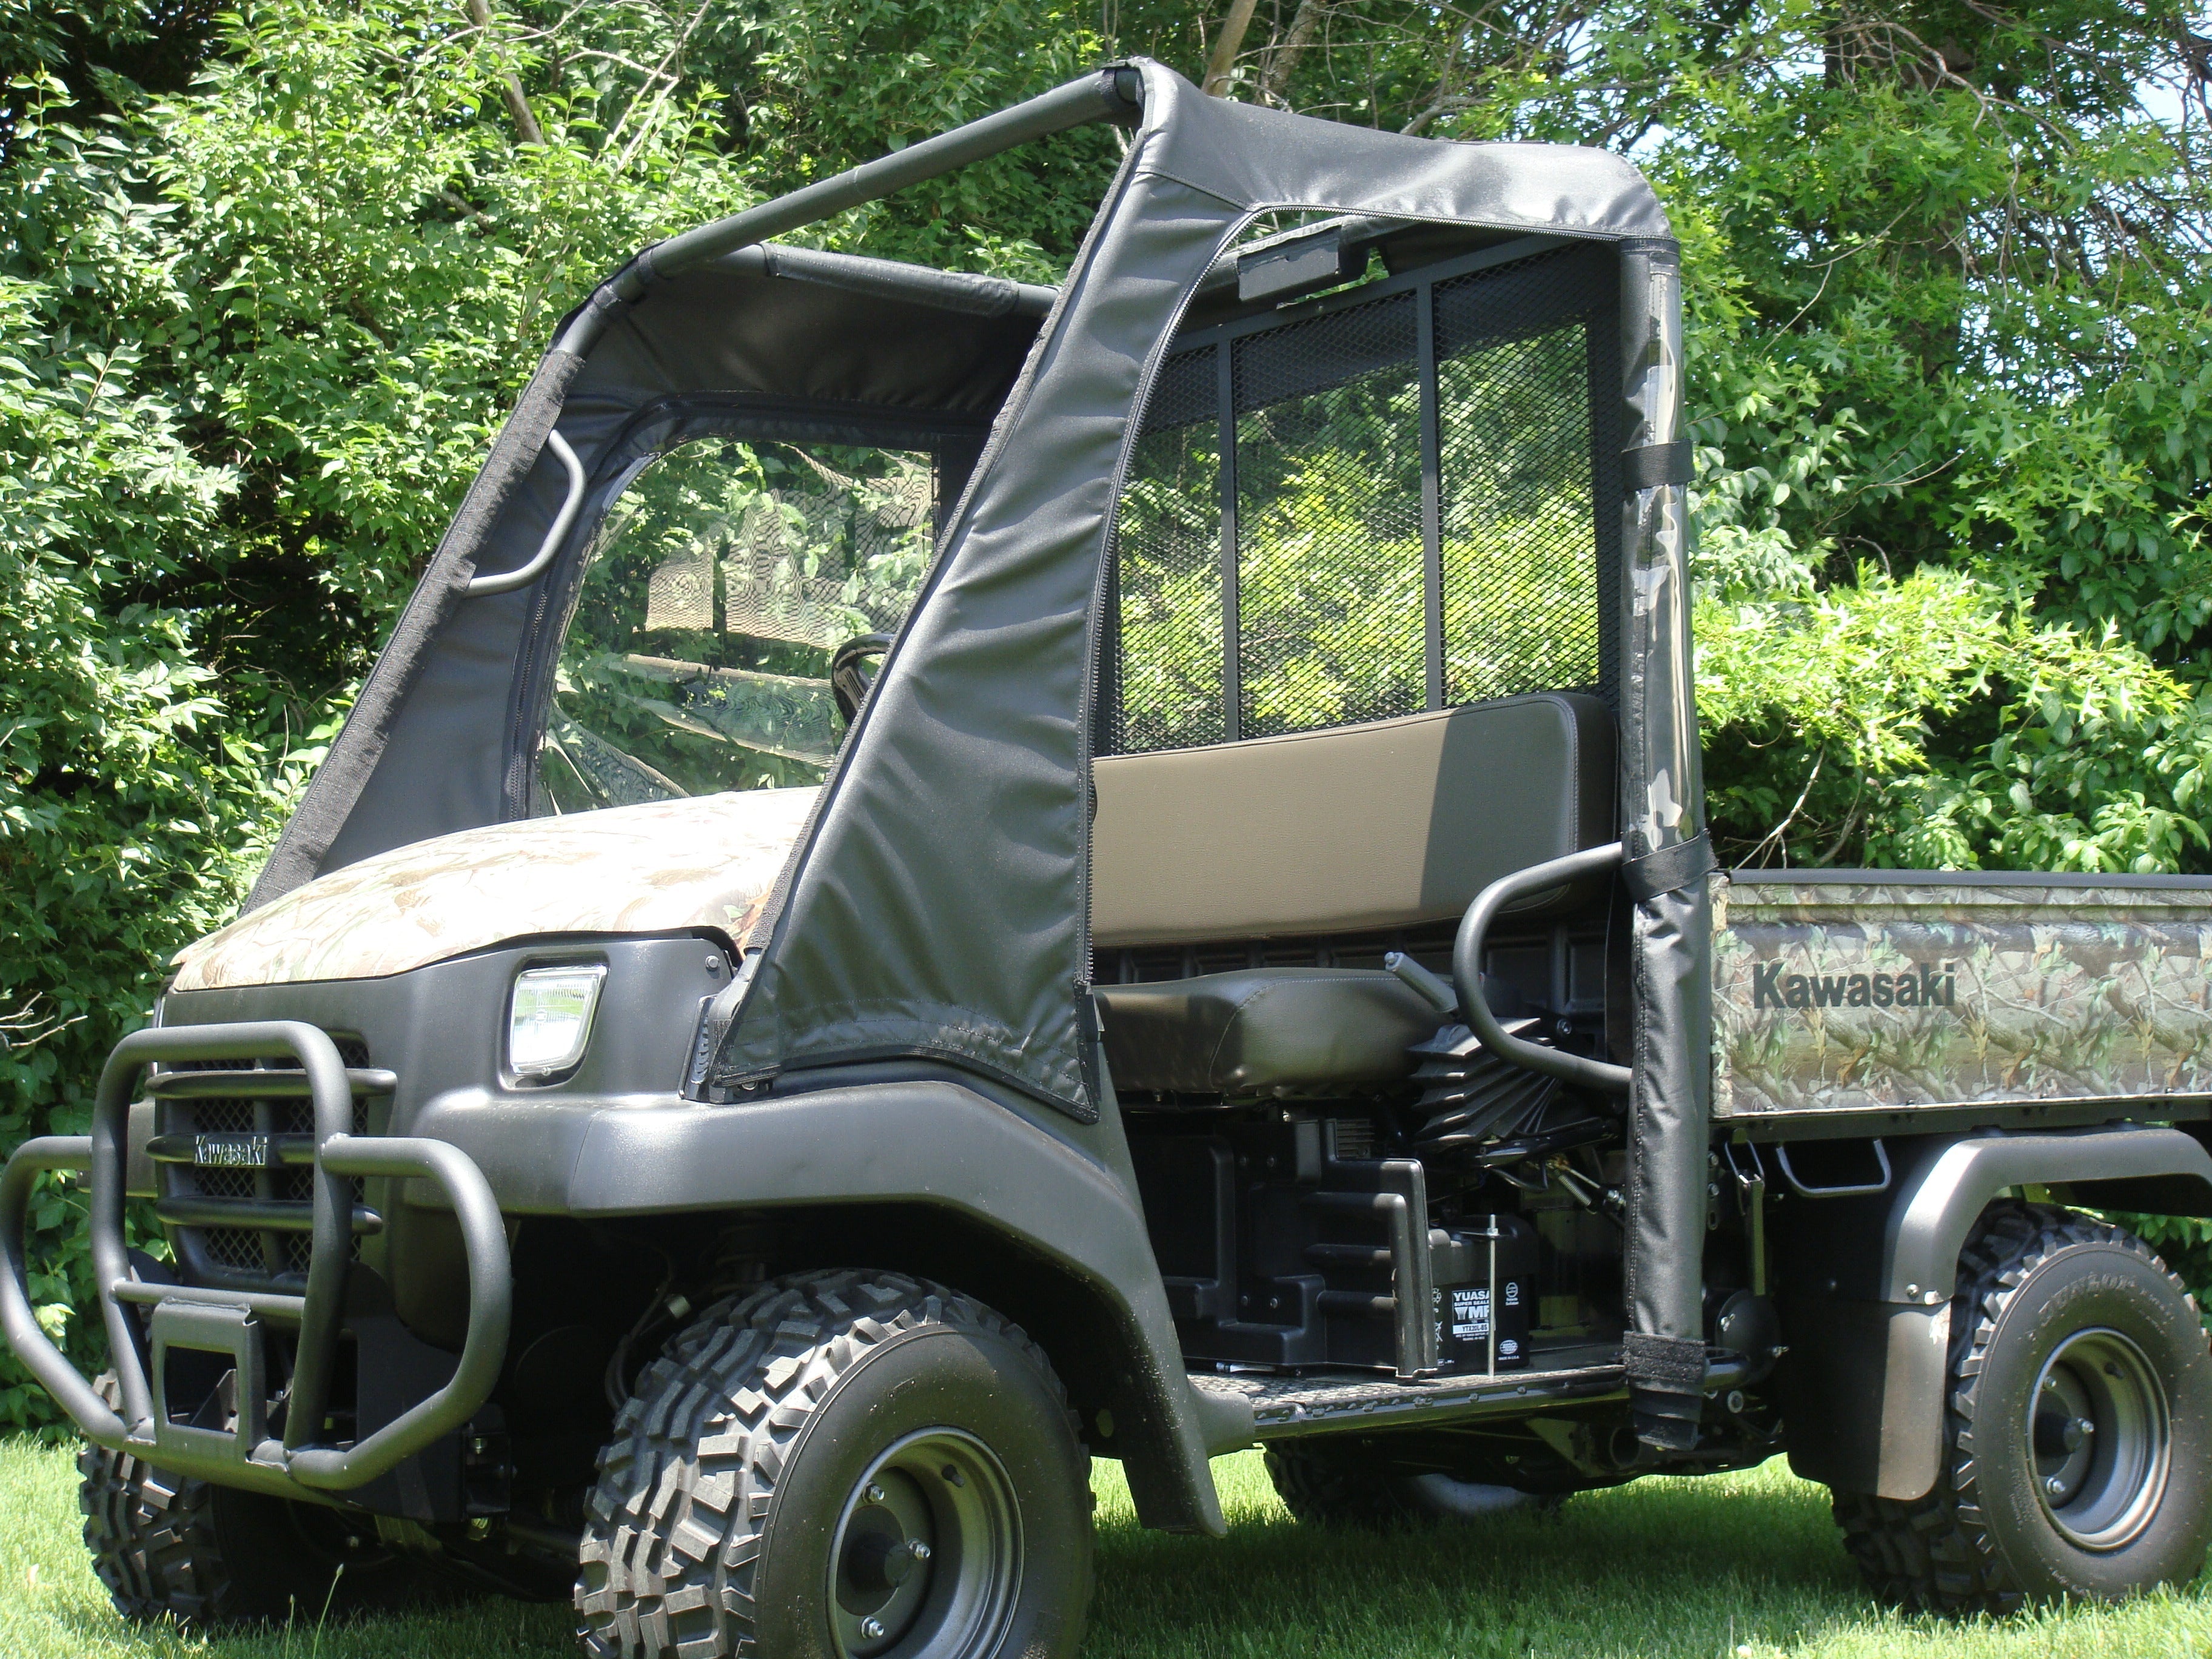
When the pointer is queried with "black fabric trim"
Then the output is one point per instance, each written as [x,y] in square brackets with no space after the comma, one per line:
[1671,868]
[728,1073]
[776,419]
[746,1082]
[1671,1364]
[330,800]
[1655,465]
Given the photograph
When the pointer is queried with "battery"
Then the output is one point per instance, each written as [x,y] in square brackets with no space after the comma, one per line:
[1484,1286]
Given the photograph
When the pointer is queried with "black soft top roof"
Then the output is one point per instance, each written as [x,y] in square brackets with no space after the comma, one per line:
[938,904]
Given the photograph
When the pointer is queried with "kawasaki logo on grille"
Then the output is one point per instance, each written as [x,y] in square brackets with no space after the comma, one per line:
[231,1151]
[1926,984]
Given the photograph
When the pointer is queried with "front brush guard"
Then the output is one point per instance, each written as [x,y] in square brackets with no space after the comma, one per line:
[227,1322]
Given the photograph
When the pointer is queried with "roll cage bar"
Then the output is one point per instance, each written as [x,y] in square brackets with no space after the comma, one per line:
[1112,93]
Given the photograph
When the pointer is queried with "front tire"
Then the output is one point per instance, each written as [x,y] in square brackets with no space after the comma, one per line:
[175,1546]
[840,1466]
[2078,1456]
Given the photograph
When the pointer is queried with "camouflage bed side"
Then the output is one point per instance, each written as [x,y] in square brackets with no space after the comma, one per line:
[1836,993]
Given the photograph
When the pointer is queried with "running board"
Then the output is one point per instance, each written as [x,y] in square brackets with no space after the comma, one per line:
[1283,1405]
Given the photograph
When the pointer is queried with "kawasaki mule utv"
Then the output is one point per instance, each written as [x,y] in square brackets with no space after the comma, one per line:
[691,1122]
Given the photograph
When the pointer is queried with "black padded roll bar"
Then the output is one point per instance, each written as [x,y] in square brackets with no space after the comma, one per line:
[962,291]
[1112,93]
[1467,971]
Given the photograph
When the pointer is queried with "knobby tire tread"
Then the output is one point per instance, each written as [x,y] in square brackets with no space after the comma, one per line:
[673,1527]
[1935,1554]
[1319,1489]
[151,1534]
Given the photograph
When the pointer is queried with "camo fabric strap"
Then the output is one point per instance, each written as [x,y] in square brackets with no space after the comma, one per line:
[1670,868]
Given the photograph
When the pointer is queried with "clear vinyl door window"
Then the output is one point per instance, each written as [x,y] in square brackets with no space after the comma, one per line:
[696,654]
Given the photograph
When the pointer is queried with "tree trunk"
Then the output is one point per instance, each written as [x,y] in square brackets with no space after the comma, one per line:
[525,123]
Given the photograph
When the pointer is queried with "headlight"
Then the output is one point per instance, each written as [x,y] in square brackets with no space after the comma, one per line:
[550,1019]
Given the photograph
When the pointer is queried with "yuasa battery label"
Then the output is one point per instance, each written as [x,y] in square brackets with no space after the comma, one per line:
[1470,1312]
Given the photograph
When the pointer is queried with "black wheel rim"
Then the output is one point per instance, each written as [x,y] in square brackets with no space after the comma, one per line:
[927,1553]
[2099,1439]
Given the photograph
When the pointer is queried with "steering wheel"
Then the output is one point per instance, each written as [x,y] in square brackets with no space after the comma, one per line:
[848,682]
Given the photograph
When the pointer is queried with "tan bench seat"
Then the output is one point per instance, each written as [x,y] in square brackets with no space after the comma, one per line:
[1356,829]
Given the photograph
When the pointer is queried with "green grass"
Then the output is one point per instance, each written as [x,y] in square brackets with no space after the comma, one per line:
[1702,1569]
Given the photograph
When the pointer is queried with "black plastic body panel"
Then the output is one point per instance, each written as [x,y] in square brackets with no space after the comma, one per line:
[615,1141]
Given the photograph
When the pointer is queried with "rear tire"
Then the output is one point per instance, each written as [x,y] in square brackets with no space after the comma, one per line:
[839,1465]
[2078,1441]
[1333,1484]
[174,1547]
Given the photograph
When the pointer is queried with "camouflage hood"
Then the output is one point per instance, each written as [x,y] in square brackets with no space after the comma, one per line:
[705,862]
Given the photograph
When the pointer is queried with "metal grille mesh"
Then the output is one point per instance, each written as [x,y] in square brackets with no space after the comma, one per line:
[1167,572]
[1522,604]
[242,1250]
[229,1116]
[1328,521]
[234,1247]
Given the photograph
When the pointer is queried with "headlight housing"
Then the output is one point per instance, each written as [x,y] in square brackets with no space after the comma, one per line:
[548,1019]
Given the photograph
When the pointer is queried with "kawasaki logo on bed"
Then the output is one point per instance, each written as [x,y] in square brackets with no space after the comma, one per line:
[1925,985]
[231,1151]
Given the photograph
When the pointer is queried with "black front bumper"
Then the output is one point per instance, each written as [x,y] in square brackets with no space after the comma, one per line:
[146,1320]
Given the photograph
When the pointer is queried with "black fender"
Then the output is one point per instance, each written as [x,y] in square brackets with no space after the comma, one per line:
[1864,1384]
[926,1144]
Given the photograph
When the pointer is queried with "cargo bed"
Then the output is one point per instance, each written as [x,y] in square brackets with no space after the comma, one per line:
[1889,1000]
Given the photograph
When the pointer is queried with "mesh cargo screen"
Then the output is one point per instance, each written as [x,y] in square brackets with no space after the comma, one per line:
[1302,580]
[1167,575]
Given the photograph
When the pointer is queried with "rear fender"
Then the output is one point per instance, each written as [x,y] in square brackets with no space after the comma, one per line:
[1864,1384]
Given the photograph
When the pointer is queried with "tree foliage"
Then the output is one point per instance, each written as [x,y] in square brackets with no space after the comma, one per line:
[269,279]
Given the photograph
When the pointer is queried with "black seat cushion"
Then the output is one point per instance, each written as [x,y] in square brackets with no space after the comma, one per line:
[1264,1032]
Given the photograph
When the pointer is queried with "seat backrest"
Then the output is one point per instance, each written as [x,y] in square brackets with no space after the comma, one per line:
[1385,824]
